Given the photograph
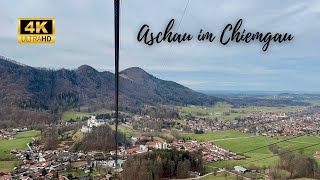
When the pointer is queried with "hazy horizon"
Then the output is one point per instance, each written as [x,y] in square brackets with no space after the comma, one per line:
[205,91]
[255,92]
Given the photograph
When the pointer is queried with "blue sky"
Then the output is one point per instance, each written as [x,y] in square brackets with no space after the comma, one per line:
[84,35]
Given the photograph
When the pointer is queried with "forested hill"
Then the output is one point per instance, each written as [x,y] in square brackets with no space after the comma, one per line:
[30,95]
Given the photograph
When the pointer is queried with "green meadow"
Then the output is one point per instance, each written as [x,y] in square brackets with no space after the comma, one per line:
[220,176]
[104,111]
[255,147]
[68,115]
[9,161]
[126,130]
[8,165]
[302,143]
[209,136]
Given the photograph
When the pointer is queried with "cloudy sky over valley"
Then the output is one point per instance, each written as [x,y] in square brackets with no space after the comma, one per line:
[85,35]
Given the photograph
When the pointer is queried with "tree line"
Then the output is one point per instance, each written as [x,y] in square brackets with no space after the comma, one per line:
[295,164]
[160,164]
[101,138]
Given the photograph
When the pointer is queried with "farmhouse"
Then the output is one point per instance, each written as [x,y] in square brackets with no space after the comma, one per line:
[240,169]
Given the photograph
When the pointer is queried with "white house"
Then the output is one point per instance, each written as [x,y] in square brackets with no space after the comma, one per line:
[240,169]
[157,144]
[143,148]
[92,122]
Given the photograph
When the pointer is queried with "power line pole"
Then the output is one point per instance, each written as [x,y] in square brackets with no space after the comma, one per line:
[116,59]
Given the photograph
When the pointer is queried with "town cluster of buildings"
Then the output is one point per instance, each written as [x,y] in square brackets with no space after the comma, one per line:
[258,122]
[39,163]
[53,164]
[266,124]
[148,124]
[44,164]
[8,135]
[291,125]
[194,124]
[211,152]
[49,164]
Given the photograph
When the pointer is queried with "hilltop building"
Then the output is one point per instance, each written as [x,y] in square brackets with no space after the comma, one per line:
[92,122]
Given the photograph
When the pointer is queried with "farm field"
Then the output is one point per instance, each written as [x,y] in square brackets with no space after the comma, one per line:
[247,146]
[249,162]
[27,134]
[224,111]
[7,160]
[127,130]
[68,115]
[220,176]
[216,135]
[8,165]
[256,147]
[75,173]
[104,111]
[301,142]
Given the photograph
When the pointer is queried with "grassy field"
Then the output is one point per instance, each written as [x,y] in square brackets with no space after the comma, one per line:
[8,165]
[7,160]
[68,115]
[239,142]
[104,111]
[248,144]
[220,176]
[19,143]
[245,145]
[80,173]
[242,143]
[301,143]
[249,162]
[126,130]
[216,135]
[28,134]
[210,112]
[219,110]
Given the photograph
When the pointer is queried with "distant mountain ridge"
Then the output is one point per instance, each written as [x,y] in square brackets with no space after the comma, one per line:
[27,91]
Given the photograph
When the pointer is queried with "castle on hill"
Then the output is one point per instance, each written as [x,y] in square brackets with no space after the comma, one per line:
[92,122]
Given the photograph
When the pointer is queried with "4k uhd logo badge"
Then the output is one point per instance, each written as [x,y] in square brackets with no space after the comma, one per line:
[36,30]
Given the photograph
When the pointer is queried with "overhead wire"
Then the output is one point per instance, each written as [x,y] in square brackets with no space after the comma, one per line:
[180,21]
